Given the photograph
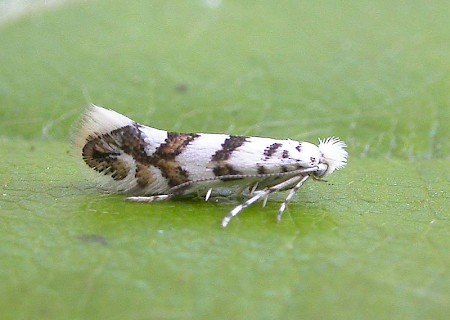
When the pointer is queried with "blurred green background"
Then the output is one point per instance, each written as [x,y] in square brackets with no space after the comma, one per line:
[371,243]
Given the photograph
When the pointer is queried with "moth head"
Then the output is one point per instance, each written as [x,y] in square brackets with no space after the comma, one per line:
[333,156]
[308,155]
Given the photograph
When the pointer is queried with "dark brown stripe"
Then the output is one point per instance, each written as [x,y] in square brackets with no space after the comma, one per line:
[101,153]
[225,170]
[229,145]
[175,144]
[164,157]
[285,154]
[261,169]
[173,172]
[144,176]
[270,150]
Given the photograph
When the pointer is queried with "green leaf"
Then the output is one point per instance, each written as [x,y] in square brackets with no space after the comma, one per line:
[370,243]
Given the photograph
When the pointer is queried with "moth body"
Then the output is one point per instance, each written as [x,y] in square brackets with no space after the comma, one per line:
[151,164]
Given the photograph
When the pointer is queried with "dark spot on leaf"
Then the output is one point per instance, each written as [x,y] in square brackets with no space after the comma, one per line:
[93,239]
[182,87]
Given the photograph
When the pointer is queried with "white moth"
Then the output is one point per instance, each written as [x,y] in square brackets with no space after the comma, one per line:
[152,165]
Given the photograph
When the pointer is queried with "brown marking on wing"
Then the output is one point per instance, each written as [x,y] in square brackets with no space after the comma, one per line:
[175,143]
[229,145]
[261,169]
[144,177]
[130,140]
[164,157]
[100,154]
[225,170]
[270,150]
[221,156]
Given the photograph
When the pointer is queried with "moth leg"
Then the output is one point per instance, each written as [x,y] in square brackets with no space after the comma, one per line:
[252,191]
[208,194]
[259,195]
[288,199]
[160,197]
[265,200]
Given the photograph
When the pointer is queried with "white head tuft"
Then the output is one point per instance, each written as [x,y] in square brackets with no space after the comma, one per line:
[333,154]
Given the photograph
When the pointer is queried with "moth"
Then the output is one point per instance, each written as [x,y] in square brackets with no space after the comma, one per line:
[152,165]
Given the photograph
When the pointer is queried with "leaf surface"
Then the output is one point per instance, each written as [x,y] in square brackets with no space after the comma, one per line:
[370,243]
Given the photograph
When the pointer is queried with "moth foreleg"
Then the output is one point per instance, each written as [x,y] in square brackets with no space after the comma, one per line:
[260,195]
[288,199]
[160,197]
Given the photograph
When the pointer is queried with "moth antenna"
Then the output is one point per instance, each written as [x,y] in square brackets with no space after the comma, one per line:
[149,199]
[302,171]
